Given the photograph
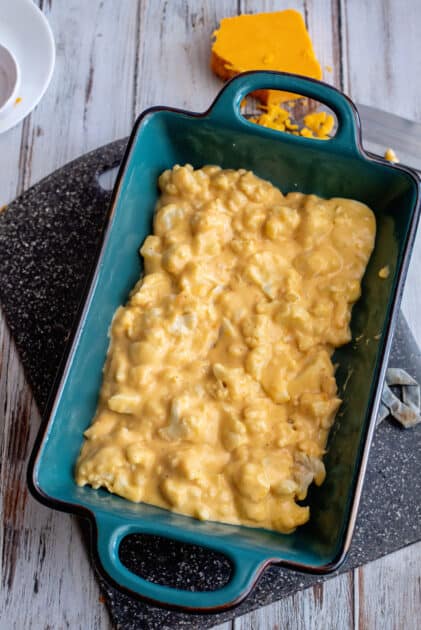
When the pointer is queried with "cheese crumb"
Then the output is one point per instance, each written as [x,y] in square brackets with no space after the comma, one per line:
[384,272]
[391,156]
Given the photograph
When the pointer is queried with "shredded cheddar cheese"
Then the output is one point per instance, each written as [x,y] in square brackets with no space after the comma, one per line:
[265,41]
[320,124]
[275,117]
[316,125]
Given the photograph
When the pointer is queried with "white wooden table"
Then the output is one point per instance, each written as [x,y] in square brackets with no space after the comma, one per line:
[114,58]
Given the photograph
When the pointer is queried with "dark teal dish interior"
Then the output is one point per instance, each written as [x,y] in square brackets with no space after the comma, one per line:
[338,167]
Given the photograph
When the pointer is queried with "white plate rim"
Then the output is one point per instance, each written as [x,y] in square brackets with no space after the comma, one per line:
[20,112]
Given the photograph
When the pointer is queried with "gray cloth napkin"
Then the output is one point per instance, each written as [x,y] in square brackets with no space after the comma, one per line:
[405,409]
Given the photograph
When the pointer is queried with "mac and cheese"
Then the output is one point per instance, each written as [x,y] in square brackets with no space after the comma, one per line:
[219,390]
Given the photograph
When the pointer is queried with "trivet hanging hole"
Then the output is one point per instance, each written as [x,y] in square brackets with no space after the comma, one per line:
[106,179]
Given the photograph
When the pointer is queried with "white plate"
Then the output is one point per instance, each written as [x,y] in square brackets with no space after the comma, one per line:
[25,31]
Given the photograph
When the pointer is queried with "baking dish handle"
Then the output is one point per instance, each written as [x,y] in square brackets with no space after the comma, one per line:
[226,108]
[246,568]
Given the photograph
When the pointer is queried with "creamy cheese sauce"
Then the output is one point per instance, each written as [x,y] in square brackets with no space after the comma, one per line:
[219,390]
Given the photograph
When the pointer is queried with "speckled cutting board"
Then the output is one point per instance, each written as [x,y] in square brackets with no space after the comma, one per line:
[48,239]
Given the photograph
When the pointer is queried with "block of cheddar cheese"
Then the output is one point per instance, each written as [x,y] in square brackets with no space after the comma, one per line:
[265,41]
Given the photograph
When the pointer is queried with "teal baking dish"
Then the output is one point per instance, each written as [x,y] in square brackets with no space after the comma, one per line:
[338,167]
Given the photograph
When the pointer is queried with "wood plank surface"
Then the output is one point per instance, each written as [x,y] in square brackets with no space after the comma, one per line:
[113,60]
[388,592]
[312,609]
[381,60]
[174,53]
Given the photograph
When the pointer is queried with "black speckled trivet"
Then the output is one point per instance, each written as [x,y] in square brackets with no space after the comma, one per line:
[48,238]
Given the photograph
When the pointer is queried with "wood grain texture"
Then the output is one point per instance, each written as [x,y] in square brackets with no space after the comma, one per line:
[90,99]
[388,592]
[10,149]
[174,53]
[113,60]
[382,57]
[312,609]
[46,577]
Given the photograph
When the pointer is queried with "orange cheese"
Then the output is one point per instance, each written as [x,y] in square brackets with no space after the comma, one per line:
[316,125]
[265,41]
[391,156]
[320,124]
